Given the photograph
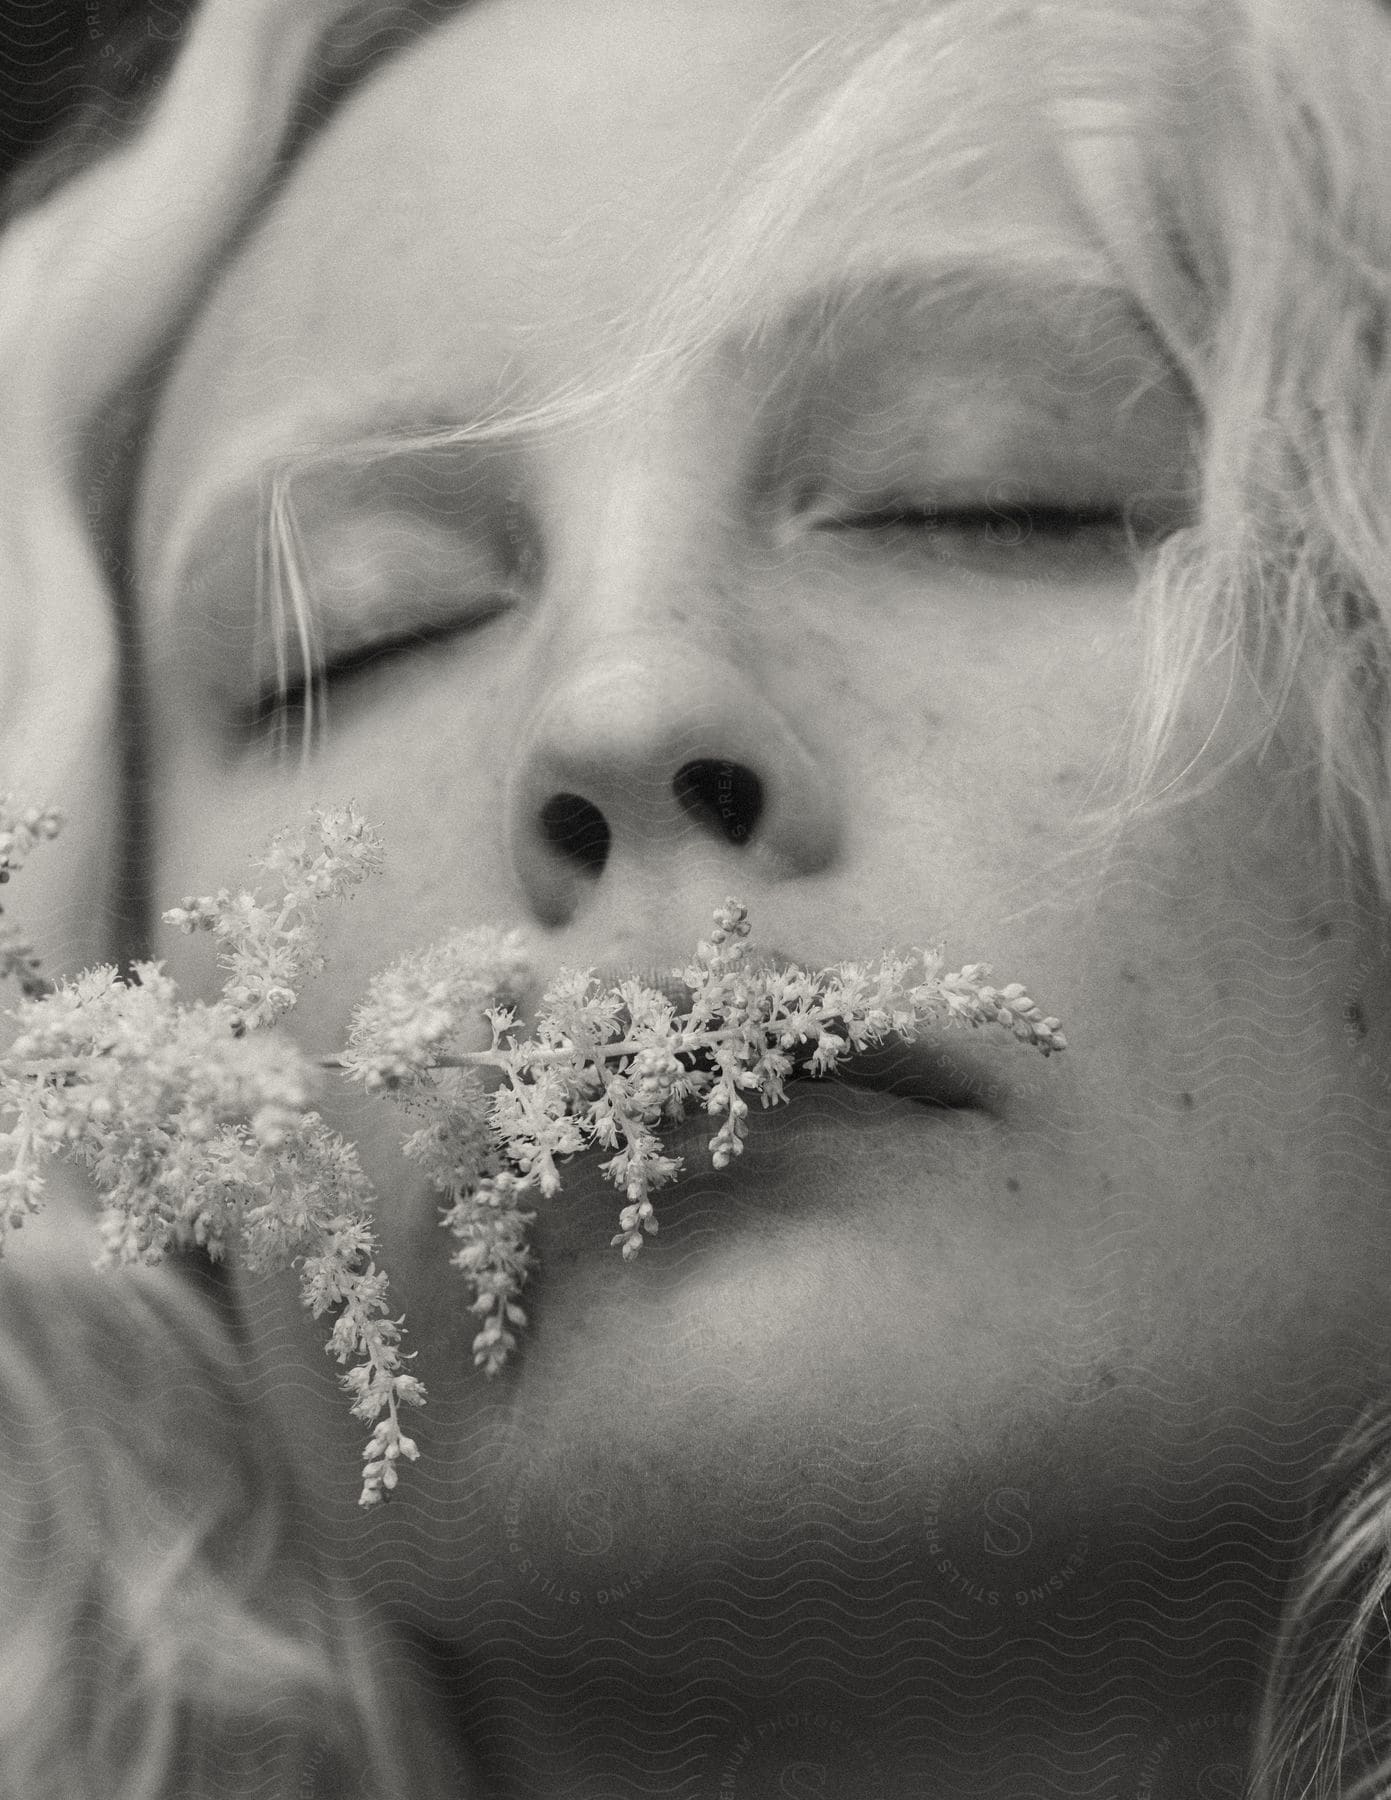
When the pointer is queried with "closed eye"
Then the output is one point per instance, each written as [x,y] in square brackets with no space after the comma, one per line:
[287,701]
[1001,523]
[1007,540]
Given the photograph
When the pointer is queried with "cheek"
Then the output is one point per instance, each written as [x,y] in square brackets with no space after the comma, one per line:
[1000,702]
[1243,1146]
[421,761]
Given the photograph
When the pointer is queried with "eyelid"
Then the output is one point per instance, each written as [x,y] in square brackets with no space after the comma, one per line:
[383,572]
[351,658]
[1142,514]
[373,566]
[1038,540]
[896,510]
[412,620]
[276,699]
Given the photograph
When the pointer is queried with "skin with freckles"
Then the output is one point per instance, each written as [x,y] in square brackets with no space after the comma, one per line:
[1081,1343]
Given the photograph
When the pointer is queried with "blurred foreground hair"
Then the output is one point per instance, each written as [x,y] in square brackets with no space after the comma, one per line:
[169,1628]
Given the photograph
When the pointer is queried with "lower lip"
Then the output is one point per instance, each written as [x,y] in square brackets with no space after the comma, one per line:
[826,1111]
[822,1153]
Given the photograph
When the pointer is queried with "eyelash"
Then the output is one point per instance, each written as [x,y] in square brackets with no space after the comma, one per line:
[276,704]
[1013,525]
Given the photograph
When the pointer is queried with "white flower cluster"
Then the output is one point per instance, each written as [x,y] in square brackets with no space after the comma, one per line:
[271,942]
[21,829]
[409,1040]
[196,1124]
[607,1065]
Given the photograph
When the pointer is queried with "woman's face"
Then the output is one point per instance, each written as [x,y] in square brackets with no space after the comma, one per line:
[884,1319]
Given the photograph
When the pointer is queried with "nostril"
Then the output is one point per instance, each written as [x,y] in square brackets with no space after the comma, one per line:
[578,830]
[723,795]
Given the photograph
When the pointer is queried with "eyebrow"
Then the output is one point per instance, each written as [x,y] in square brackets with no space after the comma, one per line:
[966,303]
[1065,312]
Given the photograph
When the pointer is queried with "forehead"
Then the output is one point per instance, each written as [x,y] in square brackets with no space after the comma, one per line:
[482,220]
[517,169]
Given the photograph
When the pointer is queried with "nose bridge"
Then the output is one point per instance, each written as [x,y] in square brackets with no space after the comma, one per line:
[653,555]
[654,728]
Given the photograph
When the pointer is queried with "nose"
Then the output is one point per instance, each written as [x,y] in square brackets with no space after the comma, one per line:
[650,755]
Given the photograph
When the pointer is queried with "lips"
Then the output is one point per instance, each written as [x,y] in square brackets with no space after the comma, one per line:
[926,1070]
[909,1105]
